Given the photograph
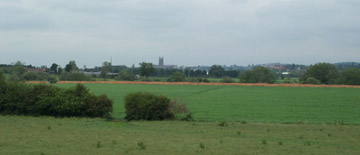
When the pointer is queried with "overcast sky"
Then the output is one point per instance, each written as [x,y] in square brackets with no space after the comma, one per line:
[185,32]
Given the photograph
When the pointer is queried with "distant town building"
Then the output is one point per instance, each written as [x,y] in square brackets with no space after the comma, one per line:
[161,61]
[161,65]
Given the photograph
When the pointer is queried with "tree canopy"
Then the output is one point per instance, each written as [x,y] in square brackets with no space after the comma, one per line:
[54,68]
[258,75]
[71,66]
[217,71]
[350,76]
[324,72]
[146,69]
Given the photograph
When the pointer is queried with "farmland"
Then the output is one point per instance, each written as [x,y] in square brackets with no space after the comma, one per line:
[47,135]
[255,104]
[258,120]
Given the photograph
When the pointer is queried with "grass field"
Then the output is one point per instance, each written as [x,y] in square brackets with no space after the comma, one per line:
[47,135]
[259,120]
[254,104]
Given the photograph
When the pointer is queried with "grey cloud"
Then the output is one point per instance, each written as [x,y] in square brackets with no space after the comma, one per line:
[184,31]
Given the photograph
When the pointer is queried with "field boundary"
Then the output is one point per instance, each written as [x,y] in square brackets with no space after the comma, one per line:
[193,83]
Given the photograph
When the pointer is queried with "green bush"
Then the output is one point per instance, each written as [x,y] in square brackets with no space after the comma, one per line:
[146,106]
[15,97]
[176,77]
[177,108]
[325,73]
[227,79]
[258,75]
[125,75]
[350,77]
[311,80]
[198,79]
[52,79]
[35,76]
[36,100]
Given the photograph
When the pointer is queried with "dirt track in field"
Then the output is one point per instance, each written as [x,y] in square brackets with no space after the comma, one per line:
[206,84]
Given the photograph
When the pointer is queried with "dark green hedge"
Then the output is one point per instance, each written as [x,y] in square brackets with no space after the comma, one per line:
[146,106]
[36,100]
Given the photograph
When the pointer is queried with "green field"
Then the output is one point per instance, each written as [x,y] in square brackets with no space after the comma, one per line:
[260,120]
[47,135]
[254,104]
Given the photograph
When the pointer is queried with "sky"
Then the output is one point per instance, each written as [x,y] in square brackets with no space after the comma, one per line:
[184,32]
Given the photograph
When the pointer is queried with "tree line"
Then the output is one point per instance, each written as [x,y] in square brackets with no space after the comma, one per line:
[320,73]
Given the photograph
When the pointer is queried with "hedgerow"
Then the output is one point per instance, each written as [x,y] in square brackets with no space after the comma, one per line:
[36,100]
[147,106]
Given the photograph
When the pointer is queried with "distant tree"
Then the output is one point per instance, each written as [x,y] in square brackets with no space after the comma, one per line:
[105,69]
[227,79]
[311,80]
[324,72]
[176,77]
[54,68]
[52,79]
[71,66]
[17,70]
[350,76]
[125,75]
[146,69]
[258,75]
[18,67]
[35,76]
[217,71]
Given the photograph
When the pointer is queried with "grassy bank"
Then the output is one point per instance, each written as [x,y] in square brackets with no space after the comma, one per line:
[47,135]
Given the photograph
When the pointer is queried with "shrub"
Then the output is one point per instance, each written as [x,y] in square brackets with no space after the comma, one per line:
[125,75]
[141,145]
[205,80]
[201,145]
[227,79]
[176,77]
[198,79]
[98,106]
[325,73]
[258,75]
[146,106]
[14,98]
[188,117]
[35,76]
[35,100]
[177,107]
[350,77]
[311,80]
[52,79]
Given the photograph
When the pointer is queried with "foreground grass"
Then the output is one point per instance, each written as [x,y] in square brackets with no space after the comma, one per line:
[254,104]
[47,135]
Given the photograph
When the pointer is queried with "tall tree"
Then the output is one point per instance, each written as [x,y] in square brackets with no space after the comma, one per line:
[17,70]
[258,75]
[71,66]
[146,69]
[350,76]
[54,68]
[217,71]
[106,68]
[324,72]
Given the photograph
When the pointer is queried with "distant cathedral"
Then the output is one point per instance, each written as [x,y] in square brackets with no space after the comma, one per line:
[163,66]
[161,61]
